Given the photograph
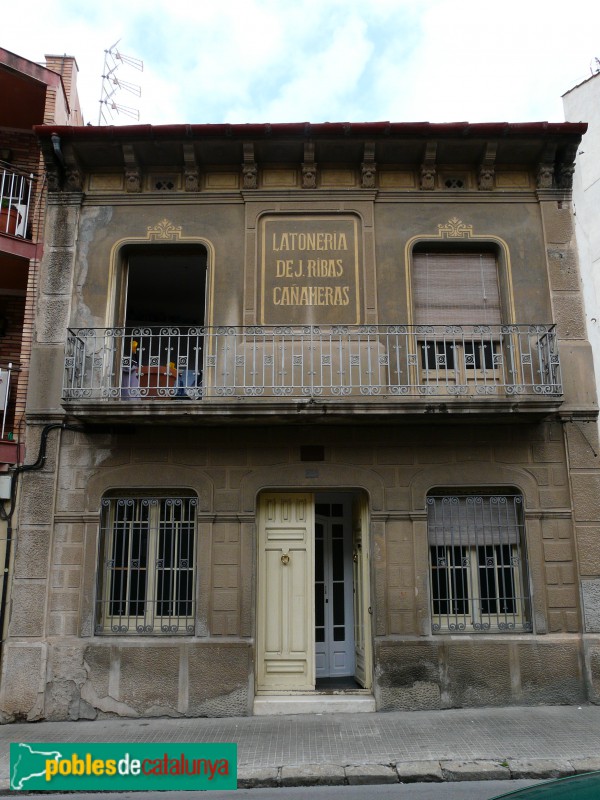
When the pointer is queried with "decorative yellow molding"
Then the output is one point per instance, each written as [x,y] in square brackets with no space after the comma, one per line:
[455,228]
[164,230]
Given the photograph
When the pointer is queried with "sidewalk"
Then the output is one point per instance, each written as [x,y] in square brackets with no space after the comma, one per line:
[459,744]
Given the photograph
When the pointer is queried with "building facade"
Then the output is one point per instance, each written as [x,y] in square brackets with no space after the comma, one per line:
[582,102]
[314,414]
[31,94]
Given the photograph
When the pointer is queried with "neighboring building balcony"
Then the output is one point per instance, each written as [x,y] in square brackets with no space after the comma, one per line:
[335,370]
[15,203]
[10,451]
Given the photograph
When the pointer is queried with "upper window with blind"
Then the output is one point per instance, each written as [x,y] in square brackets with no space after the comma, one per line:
[451,288]
[457,306]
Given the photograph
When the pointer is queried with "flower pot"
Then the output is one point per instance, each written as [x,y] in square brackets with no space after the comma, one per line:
[9,220]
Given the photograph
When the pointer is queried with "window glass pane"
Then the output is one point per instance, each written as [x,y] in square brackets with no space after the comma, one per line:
[439,580]
[487,580]
[506,580]
[459,580]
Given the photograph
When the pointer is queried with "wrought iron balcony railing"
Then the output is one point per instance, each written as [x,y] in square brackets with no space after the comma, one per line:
[15,203]
[312,361]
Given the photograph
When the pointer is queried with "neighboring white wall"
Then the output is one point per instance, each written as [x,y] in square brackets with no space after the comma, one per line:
[582,104]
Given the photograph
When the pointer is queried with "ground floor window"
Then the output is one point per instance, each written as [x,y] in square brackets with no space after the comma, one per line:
[146,578]
[478,567]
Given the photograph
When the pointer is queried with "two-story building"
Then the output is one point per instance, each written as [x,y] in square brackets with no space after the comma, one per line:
[316,420]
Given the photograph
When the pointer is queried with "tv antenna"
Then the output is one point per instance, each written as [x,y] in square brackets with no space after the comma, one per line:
[111,84]
[595,66]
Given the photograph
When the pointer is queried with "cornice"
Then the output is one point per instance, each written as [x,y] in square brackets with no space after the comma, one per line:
[161,199]
[298,196]
[443,196]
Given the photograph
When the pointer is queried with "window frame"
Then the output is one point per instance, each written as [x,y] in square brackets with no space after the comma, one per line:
[462,240]
[477,562]
[147,564]
[465,353]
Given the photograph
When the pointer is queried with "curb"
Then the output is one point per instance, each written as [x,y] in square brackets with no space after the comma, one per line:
[433,771]
[411,772]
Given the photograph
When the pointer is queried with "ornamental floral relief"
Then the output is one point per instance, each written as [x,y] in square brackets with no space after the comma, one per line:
[455,228]
[164,230]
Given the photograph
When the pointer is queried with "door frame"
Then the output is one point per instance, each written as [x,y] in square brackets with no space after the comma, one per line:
[360,520]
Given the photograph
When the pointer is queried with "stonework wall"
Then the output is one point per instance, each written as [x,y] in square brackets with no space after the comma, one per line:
[78,674]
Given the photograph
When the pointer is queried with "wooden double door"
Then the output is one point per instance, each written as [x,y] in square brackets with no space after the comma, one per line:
[313,611]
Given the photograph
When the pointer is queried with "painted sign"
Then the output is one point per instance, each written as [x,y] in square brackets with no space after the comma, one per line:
[309,270]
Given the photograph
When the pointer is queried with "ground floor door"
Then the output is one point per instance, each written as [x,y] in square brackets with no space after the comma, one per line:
[313,611]
[334,626]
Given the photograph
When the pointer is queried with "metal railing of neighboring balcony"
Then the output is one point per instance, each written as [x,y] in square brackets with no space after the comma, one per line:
[5,377]
[320,361]
[15,203]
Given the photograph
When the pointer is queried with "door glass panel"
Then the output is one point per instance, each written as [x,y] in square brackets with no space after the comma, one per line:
[319,585]
[337,554]
[319,613]
[318,552]
[338,603]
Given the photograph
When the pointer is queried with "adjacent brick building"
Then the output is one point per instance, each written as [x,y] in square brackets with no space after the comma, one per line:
[31,94]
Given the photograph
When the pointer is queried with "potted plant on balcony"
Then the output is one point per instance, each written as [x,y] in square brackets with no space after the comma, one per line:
[9,217]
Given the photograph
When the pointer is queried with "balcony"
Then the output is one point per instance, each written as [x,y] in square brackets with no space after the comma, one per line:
[332,371]
[9,448]
[15,203]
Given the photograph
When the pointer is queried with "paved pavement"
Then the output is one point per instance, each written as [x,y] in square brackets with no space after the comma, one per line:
[301,750]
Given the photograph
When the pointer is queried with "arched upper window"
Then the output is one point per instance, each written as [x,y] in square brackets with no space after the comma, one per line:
[458,306]
[162,311]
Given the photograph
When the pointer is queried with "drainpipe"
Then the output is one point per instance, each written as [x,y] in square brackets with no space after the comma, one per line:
[55,139]
[8,515]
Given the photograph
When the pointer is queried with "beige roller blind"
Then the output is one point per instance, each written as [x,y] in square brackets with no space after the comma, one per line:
[474,520]
[455,288]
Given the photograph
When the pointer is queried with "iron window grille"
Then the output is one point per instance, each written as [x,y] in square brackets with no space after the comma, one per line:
[478,565]
[147,566]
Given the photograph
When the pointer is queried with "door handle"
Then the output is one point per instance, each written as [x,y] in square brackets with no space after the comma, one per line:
[285,559]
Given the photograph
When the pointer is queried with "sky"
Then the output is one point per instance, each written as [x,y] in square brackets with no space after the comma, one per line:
[237,61]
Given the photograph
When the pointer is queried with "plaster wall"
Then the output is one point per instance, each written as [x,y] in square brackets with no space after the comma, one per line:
[582,103]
